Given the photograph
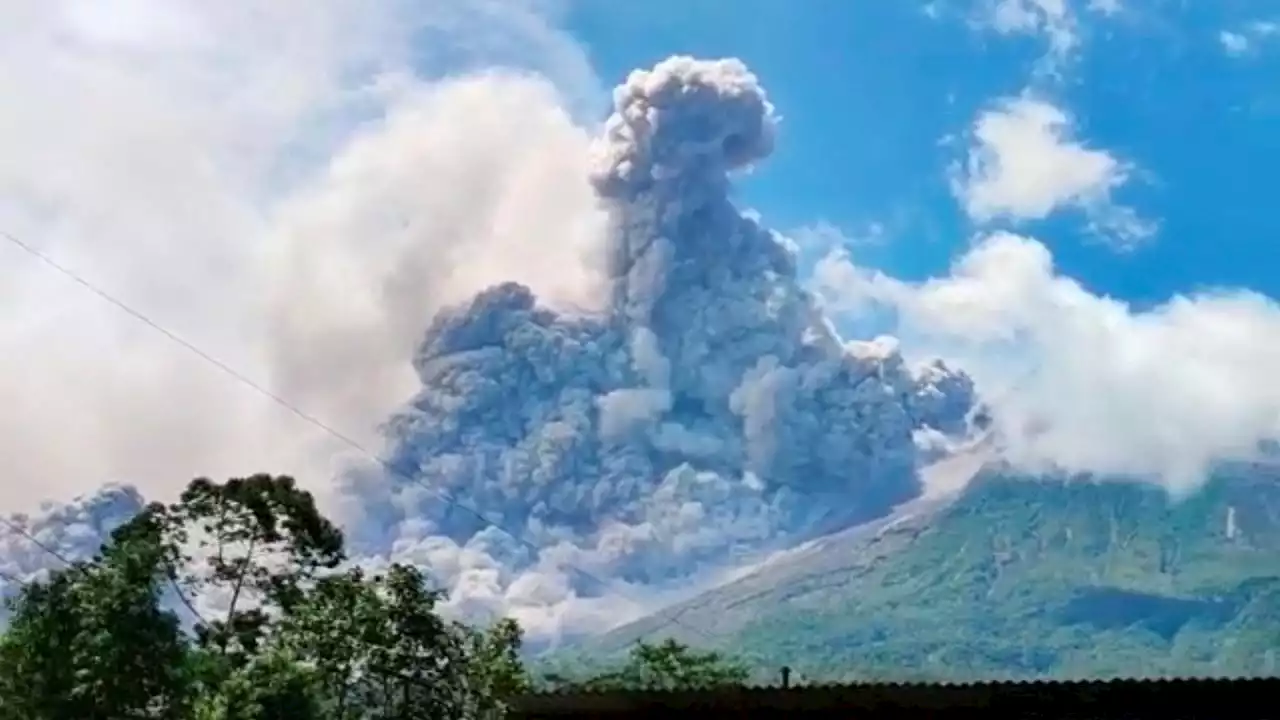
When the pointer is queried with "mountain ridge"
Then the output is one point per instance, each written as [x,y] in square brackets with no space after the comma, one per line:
[710,410]
[1012,577]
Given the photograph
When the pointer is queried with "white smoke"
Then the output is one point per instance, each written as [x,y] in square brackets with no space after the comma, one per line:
[233,171]
[1083,383]
[32,544]
[181,155]
[573,332]
[285,186]
[643,392]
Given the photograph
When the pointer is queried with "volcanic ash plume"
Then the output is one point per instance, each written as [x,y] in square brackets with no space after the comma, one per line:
[30,545]
[620,457]
[708,412]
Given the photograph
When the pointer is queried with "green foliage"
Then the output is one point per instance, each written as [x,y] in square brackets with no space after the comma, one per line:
[668,665]
[1017,579]
[271,686]
[378,642]
[1021,578]
[299,640]
[496,668]
[92,641]
[258,540]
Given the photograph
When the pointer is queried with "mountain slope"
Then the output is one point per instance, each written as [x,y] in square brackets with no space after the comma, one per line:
[1017,577]
[564,460]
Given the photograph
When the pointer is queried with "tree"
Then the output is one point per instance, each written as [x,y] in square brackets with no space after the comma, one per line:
[271,686]
[381,650]
[335,625]
[669,665]
[296,638]
[37,672]
[93,641]
[498,673]
[256,542]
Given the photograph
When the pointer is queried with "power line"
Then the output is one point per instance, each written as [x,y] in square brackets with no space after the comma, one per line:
[279,400]
[312,420]
[47,549]
[15,527]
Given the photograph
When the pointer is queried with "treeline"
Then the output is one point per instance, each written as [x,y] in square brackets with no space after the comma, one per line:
[299,634]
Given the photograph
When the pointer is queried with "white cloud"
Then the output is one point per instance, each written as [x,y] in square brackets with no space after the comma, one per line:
[1156,393]
[1246,39]
[223,168]
[1266,28]
[1053,19]
[1025,164]
[1106,7]
[464,185]
[1061,24]
[1233,43]
[822,236]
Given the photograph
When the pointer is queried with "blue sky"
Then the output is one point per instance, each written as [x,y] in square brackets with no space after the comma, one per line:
[296,187]
[161,145]
[868,89]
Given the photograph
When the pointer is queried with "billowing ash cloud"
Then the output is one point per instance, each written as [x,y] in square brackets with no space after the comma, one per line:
[74,530]
[708,411]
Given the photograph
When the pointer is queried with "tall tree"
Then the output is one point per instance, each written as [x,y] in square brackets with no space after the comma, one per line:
[255,543]
[497,670]
[296,637]
[37,670]
[93,642]
[381,650]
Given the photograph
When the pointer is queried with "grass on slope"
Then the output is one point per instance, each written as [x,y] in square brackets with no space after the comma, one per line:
[1031,578]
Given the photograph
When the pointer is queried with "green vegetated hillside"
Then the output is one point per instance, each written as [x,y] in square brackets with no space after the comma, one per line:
[1019,578]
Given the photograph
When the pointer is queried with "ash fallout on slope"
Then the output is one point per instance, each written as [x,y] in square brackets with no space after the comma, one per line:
[710,410]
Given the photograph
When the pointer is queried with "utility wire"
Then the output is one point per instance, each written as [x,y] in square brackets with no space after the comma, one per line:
[15,527]
[15,580]
[274,397]
[306,417]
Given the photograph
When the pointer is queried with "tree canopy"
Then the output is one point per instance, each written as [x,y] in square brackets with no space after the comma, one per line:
[299,633]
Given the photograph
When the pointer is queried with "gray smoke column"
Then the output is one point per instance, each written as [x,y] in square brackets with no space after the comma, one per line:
[709,412]
[685,119]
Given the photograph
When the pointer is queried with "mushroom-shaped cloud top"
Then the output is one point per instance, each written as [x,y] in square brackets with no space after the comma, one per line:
[683,117]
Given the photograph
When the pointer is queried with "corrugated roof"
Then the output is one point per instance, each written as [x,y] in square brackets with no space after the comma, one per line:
[1194,695]
[873,685]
